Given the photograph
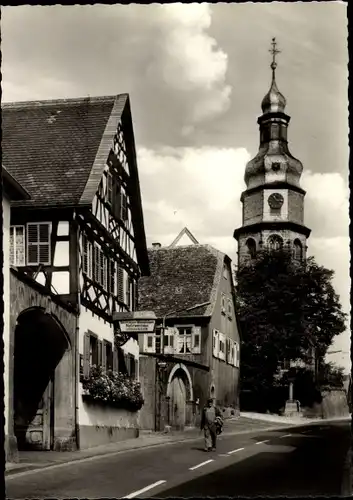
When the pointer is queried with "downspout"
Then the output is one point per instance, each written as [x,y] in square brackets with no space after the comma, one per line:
[77,333]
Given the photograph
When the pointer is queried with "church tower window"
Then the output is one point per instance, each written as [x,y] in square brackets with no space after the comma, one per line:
[297,250]
[251,247]
[275,242]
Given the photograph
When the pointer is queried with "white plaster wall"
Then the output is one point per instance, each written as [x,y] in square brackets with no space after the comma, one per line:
[63,228]
[6,274]
[90,414]
[267,216]
[61,257]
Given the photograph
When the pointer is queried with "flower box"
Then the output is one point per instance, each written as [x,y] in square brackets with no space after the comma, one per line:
[112,389]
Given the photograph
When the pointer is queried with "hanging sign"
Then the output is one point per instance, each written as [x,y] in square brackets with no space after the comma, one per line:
[137,326]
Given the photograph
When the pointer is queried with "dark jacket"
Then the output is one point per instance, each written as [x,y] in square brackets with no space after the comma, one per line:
[203,416]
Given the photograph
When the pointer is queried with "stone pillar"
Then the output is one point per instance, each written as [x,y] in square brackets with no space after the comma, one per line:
[290,391]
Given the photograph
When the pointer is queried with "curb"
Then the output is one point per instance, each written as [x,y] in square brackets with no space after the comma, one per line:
[28,469]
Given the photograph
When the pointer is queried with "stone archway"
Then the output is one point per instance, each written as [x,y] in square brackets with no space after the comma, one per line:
[180,392]
[42,376]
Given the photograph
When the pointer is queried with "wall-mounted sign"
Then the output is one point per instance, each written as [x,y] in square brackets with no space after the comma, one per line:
[136,315]
[137,326]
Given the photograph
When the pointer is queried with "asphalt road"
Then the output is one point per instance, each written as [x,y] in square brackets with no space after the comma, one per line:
[297,462]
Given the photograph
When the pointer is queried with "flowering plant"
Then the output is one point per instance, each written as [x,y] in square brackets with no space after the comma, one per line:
[114,388]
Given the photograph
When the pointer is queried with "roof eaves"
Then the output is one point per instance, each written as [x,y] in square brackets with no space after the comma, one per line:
[13,187]
[216,281]
[53,102]
[103,151]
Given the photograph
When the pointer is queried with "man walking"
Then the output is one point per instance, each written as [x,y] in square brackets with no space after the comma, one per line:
[208,425]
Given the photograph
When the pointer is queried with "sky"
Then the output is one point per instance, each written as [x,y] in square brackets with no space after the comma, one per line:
[196,75]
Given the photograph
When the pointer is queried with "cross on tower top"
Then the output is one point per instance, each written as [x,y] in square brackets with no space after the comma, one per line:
[274,51]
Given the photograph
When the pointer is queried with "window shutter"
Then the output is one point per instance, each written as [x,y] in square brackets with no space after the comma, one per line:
[228,350]
[180,341]
[38,243]
[96,263]
[237,350]
[104,355]
[12,246]
[120,284]
[109,187]
[123,204]
[169,340]
[112,277]
[115,360]
[86,348]
[84,254]
[105,272]
[196,340]
[127,290]
[116,198]
[100,353]
[215,343]
[89,260]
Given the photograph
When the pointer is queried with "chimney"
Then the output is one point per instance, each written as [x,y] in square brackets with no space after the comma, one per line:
[156,245]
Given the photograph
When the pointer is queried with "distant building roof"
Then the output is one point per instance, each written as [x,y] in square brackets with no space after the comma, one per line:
[188,234]
[182,277]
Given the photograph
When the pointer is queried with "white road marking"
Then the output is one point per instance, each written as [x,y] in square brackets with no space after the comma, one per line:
[200,465]
[136,493]
[285,436]
[234,451]
[265,441]
[222,454]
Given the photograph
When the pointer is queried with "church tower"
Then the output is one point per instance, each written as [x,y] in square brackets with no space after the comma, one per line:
[273,202]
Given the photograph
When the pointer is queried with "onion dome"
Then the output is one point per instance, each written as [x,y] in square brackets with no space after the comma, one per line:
[273,162]
[273,101]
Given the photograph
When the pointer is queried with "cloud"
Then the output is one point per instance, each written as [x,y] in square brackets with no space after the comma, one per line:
[326,204]
[163,55]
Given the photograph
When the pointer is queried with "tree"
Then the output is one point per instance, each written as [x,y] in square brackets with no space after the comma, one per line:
[331,376]
[285,308]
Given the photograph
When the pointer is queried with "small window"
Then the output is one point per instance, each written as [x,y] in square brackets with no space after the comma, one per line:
[150,343]
[93,351]
[251,247]
[229,308]
[184,340]
[275,242]
[223,303]
[123,207]
[100,267]
[17,246]
[297,250]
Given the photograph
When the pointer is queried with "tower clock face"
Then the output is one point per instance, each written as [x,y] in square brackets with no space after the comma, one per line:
[275,200]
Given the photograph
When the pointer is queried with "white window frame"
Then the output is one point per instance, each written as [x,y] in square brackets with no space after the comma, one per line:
[14,261]
[146,348]
[215,343]
[39,243]
[221,340]
[170,333]
[236,360]
[229,308]
[196,332]
[179,336]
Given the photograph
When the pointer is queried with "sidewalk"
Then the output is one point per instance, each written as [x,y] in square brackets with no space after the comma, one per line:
[34,460]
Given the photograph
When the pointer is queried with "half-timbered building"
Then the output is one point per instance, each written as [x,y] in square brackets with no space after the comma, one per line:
[80,237]
[194,352]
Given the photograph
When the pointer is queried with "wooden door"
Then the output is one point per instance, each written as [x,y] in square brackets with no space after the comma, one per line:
[178,403]
[37,434]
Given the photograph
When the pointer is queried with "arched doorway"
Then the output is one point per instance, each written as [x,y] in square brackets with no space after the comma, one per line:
[180,393]
[41,346]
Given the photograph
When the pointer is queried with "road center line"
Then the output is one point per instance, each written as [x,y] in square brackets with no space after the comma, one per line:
[234,451]
[200,465]
[260,442]
[285,436]
[136,493]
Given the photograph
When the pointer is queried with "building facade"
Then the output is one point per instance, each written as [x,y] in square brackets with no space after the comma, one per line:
[79,243]
[194,353]
[273,202]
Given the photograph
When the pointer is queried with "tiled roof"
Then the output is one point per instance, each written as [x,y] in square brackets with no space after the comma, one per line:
[181,277]
[50,146]
[11,187]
